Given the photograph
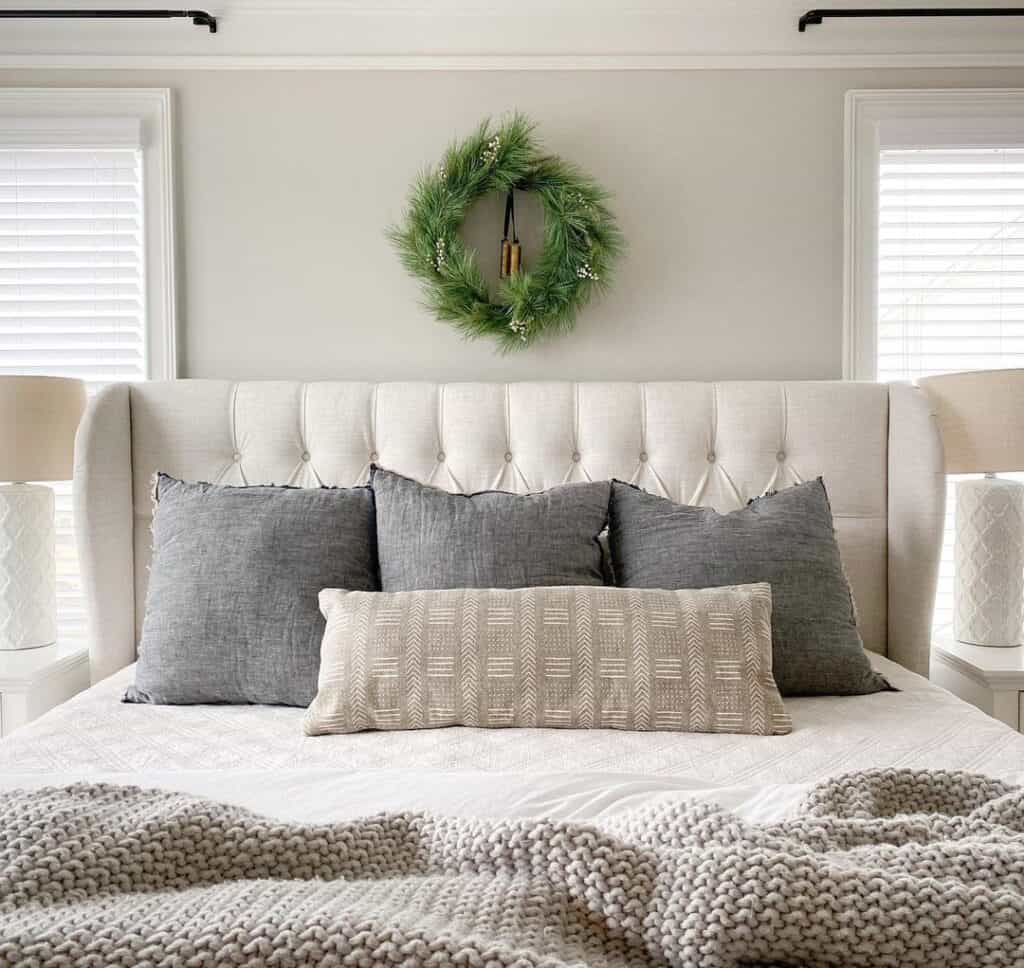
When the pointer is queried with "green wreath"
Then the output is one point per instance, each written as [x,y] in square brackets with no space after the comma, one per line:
[581,239]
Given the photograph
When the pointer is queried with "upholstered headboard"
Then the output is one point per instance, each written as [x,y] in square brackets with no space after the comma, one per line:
[718,444]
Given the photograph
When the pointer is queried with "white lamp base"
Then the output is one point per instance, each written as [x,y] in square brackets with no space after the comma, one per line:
[28,568]
[988,602]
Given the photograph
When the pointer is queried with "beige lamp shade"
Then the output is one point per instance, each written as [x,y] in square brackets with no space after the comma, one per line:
[38,419]
[981,417]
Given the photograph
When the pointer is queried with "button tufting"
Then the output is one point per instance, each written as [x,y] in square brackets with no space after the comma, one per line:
[576,456]
[508,457]
[711,457]
[374,456]
[780,456]
[305,455]
[643,456]
[440,455]
[236,457]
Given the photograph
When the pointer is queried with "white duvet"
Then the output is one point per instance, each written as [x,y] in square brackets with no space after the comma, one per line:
[258,756]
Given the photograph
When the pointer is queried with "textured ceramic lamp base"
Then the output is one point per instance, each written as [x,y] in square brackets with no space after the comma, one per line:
[988,606]
[28,570]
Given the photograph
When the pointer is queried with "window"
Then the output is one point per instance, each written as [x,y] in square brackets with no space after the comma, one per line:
[72,285]
[86,279]
[935,243]
[950,260]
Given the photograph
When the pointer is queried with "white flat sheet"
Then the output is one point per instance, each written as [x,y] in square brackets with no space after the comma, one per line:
[259,758]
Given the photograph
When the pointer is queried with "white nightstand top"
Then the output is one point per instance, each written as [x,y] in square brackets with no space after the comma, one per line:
[996,667]
[22,667]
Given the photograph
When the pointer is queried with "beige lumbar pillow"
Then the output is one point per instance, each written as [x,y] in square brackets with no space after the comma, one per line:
[576,657]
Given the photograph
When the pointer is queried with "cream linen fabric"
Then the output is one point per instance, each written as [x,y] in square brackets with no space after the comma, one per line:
[714,444]
[568,657]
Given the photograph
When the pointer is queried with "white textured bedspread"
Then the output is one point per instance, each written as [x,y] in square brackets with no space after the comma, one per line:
[258,756]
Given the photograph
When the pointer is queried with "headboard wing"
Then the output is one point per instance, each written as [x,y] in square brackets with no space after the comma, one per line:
[718,444]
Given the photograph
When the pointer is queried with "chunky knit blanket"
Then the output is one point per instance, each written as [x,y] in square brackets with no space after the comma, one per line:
[882,868]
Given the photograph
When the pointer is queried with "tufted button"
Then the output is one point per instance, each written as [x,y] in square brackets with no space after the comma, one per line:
[780,456]
[305,455]
[440,455]
[643,456]
[374,456]
[576,456]
[236,457]
[711,456]
[508,457]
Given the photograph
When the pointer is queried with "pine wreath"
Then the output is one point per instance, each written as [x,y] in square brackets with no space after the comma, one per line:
[581,239]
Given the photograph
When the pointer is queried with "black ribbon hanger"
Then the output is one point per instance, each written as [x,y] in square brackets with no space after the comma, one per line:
[511,251]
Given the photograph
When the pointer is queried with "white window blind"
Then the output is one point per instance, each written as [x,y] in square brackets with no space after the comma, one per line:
[72,297]
[950,274]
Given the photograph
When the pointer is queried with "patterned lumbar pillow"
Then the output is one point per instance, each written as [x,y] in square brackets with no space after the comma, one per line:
[231,613]
[786,539]
[572,657]
[428,538]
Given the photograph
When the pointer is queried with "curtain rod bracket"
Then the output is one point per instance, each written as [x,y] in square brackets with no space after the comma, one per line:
[817,16]
[199,17]
[203,19]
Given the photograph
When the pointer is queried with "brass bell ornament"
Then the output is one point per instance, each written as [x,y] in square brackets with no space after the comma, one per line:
[511,251]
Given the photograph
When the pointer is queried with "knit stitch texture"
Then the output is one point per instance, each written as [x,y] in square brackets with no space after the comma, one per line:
[881,868]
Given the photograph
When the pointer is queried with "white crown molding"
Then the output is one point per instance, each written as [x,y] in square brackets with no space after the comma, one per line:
[525,62]
[497,35]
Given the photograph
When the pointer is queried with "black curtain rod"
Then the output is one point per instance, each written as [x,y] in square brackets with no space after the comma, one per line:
[199,17]
[818,16]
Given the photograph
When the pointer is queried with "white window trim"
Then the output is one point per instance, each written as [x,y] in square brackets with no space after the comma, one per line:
[101,117]
[901,119]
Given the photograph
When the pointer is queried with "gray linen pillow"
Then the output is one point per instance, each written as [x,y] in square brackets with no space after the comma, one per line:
[786,539]
[428,538]
[232,613]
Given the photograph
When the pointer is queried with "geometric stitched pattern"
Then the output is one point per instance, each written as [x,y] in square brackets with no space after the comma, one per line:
[574,657]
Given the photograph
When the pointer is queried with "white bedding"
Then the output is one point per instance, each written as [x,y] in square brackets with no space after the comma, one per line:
[258,756]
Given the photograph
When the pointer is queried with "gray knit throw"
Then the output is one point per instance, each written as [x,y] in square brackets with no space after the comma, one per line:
[882,868]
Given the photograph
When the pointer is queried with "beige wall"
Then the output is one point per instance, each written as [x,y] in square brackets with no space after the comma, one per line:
[728,186]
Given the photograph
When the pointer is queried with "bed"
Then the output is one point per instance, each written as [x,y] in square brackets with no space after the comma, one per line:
[714,444]
[193,834]
[228,753]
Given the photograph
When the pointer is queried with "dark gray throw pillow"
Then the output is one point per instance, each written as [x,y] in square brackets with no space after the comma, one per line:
[232,612]
[786,539]
[428,538]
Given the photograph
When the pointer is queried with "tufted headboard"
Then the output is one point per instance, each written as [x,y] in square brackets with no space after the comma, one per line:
[717,444]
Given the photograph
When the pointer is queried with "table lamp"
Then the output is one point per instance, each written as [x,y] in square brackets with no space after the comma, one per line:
[38,419]
[981,418]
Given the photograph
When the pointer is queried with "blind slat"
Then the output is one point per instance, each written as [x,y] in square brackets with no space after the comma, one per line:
[10,325]
[77,244]
[942,248]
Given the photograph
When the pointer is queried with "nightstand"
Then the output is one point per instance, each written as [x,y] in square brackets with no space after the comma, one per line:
[991,679]
[35,680]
